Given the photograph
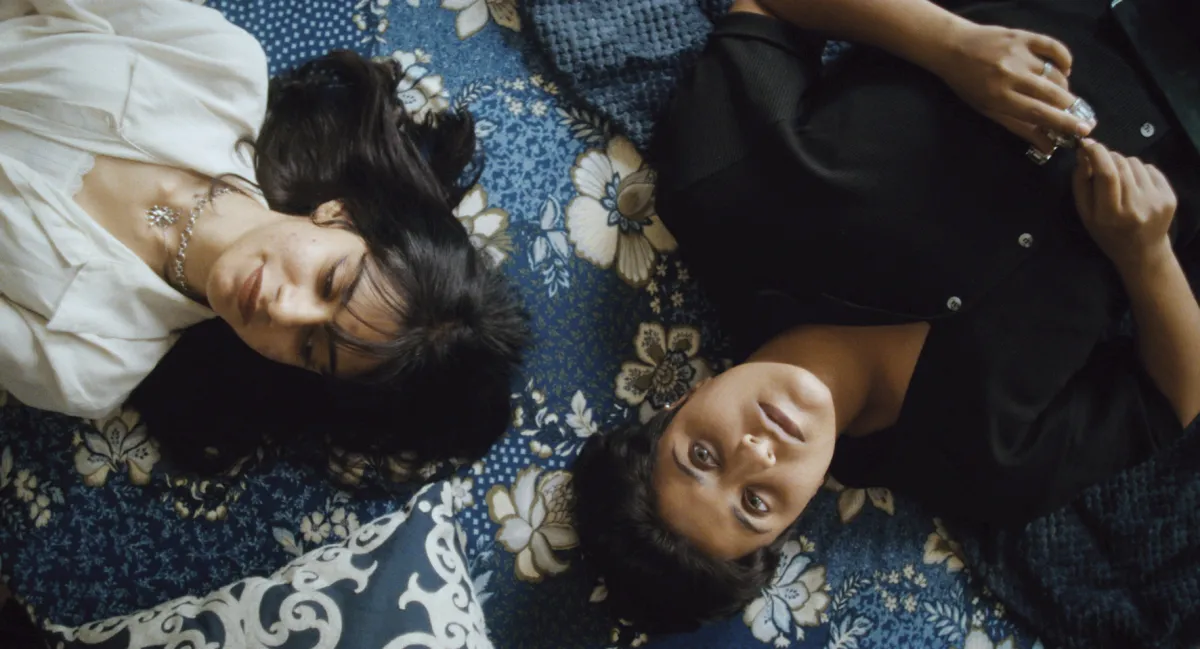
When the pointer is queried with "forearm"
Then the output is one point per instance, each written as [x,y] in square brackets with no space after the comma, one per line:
[914,30]
[1168,329]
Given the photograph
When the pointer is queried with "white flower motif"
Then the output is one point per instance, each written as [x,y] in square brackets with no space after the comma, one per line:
[613,217]
[850,501]
[120,441]
[486,226]
[473,15]
[534,521]
[541,450]
[344,524]
[796,597]
[580,419]
[460,493]
[939,548]
[315,528]
[39,510]
[376,8]
[978,639]
[667,369]
[420,92]
[25,485]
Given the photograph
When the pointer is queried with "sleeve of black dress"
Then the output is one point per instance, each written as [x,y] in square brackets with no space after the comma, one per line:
[1109,416]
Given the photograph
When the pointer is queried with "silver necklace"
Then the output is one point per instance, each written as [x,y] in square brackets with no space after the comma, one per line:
[164,216]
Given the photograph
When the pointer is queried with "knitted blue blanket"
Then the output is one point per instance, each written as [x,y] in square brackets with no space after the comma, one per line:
[622,59]
[1118,568]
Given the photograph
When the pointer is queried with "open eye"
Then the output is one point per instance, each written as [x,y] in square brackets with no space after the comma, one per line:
[755,503]
[702,456]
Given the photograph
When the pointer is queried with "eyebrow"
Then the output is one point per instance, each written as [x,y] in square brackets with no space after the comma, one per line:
[737,513]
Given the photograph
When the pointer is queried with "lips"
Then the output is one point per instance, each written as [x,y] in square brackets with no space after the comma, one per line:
[248,295]
[784,422]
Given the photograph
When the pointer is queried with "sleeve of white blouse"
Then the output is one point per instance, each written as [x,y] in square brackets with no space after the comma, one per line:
[175,80]
[83,376]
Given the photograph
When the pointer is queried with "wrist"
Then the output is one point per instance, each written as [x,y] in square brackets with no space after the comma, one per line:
[940,45]
[1147,264]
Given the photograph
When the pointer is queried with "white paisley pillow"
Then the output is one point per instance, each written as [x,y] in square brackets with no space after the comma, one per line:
[398,581]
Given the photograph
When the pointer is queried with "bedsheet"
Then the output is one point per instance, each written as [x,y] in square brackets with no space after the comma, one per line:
[95,524]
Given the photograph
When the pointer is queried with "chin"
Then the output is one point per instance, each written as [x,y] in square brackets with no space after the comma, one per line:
[813,390]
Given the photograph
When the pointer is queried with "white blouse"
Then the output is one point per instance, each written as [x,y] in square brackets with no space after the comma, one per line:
[82,318]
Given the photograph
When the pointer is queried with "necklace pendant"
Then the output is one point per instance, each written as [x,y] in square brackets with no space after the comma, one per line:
[161,216]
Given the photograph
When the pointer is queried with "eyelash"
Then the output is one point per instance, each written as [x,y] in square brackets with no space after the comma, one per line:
[703,457]
[327,285]
[330,276]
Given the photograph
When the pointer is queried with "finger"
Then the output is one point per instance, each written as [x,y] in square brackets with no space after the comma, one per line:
[1045,90]
[1159,179]
[1141,175]
[1162,185]
[1039,113]
[1125,174]
[1028,132]
[1051,73]
[1106,180]
[1056,77]
[1051,50]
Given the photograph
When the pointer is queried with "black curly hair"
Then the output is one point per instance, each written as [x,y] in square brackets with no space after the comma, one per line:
[655,578]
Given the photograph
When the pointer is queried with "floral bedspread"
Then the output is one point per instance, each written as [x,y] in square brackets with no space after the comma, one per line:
[96,524]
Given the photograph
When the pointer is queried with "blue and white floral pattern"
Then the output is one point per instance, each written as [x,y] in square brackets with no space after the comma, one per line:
[95,525]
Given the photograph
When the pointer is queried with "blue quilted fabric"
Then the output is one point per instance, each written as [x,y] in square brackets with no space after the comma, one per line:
[95,523]
[623,58]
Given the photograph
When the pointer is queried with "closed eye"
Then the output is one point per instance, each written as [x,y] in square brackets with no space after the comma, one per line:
[330,279]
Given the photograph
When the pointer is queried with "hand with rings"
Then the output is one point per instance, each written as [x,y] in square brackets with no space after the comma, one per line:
[1014,77]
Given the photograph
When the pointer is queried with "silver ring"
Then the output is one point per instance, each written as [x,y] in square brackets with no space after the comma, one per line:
[1047,66]
[1037,157]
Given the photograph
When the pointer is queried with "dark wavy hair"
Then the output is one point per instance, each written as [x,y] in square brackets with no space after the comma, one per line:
[656,579]
[334,130]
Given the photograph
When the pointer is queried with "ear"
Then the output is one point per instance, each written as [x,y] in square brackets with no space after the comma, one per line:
[329,211]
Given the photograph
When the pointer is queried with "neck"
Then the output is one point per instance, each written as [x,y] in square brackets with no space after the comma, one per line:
[222,223]
[840,357]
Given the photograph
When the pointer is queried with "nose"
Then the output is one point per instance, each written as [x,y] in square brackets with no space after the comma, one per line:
[293,307]
[758,450]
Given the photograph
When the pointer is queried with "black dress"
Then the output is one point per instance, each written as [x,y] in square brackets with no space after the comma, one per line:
[869,194]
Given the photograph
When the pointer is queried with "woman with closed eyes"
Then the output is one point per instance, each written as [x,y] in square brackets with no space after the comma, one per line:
[233,255]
